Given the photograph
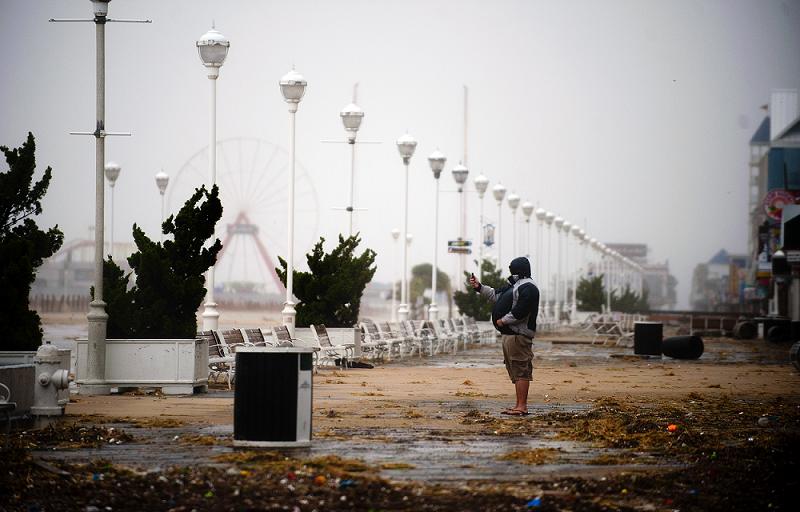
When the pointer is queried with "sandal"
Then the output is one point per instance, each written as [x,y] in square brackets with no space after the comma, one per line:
[514,412]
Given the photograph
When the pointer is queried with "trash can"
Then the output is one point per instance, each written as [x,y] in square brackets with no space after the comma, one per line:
[683,347]
[273,398]
[647,338]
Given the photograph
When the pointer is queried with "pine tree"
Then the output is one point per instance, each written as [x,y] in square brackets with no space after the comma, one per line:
[330,293]
[170,282]
[23,246]
[473,304]
[591,294]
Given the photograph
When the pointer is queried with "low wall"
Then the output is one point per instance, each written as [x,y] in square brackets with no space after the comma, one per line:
[177,366]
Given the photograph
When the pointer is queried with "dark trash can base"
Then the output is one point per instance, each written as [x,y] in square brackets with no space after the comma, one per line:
[647,338]
[238,443]
[683,347]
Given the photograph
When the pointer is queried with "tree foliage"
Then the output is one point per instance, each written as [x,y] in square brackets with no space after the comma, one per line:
[330,293]
[420,281]
[473,304]
[591,296]
[23,246]
[170,282]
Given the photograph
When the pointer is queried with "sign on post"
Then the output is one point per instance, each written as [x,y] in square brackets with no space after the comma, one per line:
[459,246]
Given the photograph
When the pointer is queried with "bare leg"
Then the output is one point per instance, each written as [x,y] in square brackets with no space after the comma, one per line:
[521,387]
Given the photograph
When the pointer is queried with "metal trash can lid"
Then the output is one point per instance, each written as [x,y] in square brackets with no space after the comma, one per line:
[276,350]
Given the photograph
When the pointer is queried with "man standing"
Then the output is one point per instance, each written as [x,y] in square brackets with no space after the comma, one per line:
[514,315]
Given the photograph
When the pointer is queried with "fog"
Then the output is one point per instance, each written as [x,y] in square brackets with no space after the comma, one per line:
[629,118]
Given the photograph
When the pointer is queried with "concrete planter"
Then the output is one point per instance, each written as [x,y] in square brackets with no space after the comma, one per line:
[177,366]
[8,357]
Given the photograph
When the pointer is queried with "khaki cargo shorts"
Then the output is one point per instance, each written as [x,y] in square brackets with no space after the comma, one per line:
[518,357]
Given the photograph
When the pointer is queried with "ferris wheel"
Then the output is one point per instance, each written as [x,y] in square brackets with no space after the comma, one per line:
[253,176]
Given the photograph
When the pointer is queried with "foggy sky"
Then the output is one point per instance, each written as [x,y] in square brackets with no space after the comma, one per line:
[630,119]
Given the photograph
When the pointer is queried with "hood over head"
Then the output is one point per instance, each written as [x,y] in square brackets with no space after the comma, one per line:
[520,267]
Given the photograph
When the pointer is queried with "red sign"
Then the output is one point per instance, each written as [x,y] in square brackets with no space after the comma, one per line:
[774,202]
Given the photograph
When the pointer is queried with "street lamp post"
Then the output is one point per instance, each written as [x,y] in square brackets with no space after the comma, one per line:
[352,115]
[499,192]
[212,48]
[513,202]
[567,226]
[162,180]
[548,303]
[112,171]
[395,236]
[437,161]
[460,174]
[481,184]
[527,211]
[558,222]
[573,311]
[540,216]
[97,318]
[293,87]
[406,145]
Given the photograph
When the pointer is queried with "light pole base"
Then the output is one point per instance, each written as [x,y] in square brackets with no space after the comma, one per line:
[573,313]
[433,312]
[210,316]
[288,315]
[96,362]
[402,312]
[557,312]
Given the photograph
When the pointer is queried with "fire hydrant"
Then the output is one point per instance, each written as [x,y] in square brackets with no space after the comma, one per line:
[50,378]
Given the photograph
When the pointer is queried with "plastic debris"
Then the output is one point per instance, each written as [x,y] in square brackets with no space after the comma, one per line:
[344,484]
[672,427]
[320,480]
[763,421]
[535,502]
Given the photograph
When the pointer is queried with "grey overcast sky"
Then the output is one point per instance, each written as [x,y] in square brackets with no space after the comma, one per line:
[631,118]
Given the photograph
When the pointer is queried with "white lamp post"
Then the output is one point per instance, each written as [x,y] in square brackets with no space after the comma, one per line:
[558,222]
[460,174]
[406,145]
[395,236]
[549,303]
[293,87]
[162,180]
[513,203]
[352,115]
[527,211]
[576,232]
[499,192]
[212,48]
[112,171]
[481,184]
[540,217]
[567,226]
[437,161]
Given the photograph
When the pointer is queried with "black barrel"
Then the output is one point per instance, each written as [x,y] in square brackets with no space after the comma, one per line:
[273,398]
[647,338]
[794,355]
[744,330]
[683,347]
[778,333]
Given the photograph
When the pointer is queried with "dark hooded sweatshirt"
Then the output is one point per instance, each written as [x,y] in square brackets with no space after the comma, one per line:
[516,303]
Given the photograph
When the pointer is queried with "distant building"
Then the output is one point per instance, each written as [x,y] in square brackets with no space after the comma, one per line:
[657,280]
[718,285]
[774,180]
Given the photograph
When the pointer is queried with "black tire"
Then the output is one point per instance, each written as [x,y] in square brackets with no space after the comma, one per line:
[745,331]
[683,347]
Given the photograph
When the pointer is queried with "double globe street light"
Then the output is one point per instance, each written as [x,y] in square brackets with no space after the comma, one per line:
[213,49]
[406,145]
[437,161]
